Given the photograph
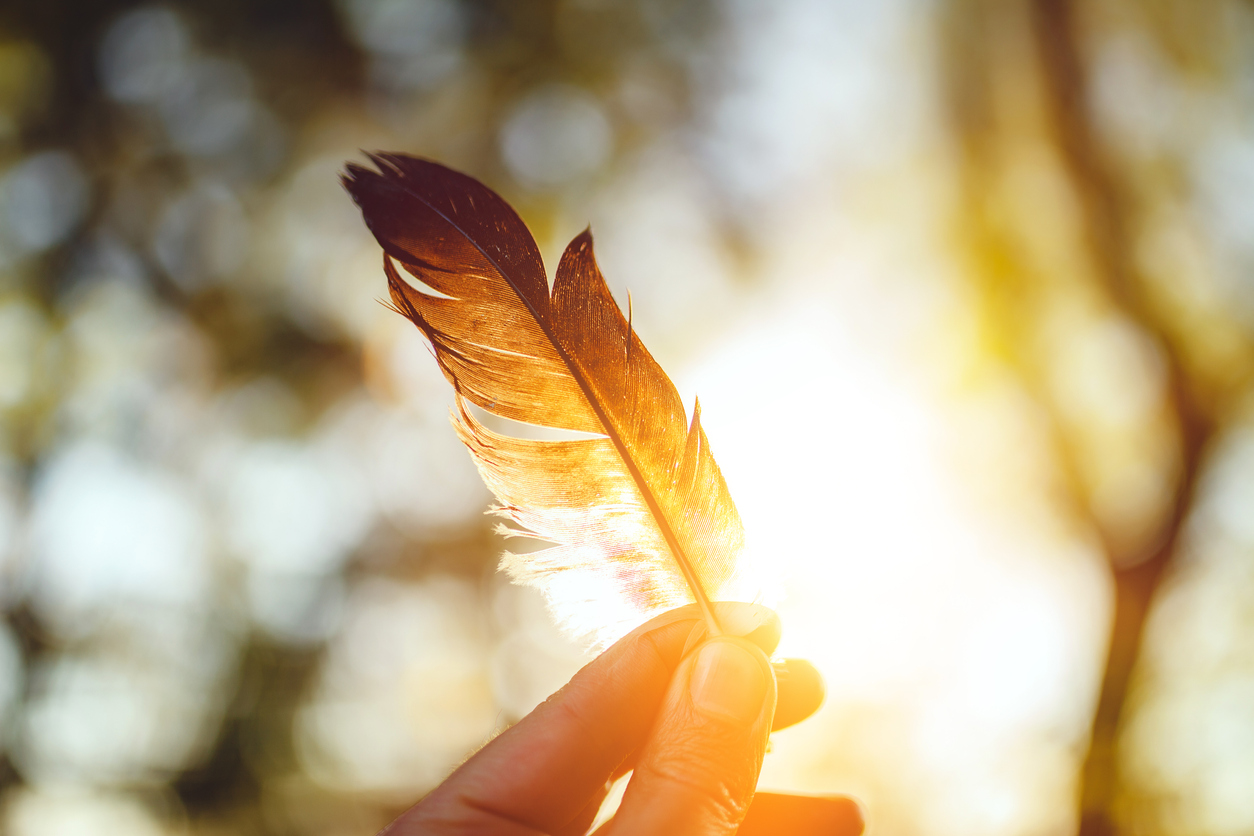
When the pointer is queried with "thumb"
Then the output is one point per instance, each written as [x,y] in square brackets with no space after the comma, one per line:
[698,770]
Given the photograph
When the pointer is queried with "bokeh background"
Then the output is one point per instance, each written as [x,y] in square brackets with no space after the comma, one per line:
[966,288]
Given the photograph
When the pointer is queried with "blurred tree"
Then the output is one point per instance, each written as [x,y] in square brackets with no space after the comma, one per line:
[1056,223]
[1075,220]
[183,209]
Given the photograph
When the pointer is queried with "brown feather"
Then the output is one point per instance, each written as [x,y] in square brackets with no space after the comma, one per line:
[640,516]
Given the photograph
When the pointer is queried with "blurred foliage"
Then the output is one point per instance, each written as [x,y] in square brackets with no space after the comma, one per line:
[993,258]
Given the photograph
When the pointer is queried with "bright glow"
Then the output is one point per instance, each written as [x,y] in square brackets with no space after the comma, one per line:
[142,54]
[197,491]
[535,658]
[655,237]
[970,635]
[42,198]
[412,43]
[112,721]
[202,237]
[554,135]
[108,532]
[404,693]
[416,470]
[76,813]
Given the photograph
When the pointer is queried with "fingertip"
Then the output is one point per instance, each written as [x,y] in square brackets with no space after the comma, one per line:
[754,622]
[766,636]
[830,815]
[800,692]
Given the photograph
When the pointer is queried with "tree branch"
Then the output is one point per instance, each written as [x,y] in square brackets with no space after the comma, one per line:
[1137,576]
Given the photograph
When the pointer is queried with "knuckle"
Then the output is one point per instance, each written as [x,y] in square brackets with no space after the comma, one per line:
[655,654]
[716,801]
[712,762]
[588,729]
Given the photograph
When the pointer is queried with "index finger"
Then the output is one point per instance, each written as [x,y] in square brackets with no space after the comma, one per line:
[541,773]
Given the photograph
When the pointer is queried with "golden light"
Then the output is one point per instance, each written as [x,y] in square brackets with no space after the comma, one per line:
[953,613]
[246,582]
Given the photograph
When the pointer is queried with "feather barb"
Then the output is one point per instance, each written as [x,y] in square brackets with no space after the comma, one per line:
[639,515]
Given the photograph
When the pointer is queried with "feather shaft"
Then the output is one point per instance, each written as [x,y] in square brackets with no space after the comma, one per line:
[641,517]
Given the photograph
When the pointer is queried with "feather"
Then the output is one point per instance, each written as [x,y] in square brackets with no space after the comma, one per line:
[639,515]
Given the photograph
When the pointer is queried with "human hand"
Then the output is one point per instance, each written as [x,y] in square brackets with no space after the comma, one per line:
[693,726]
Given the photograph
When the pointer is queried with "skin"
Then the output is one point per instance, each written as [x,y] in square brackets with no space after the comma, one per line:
[690,715]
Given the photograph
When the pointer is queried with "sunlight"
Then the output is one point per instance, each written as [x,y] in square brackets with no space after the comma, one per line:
[967,627]
[963,289]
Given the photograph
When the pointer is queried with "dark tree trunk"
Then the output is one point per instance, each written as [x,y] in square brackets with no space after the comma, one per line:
[1137,576]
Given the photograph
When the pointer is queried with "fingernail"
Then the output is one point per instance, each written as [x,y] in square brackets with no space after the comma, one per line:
[727,681]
